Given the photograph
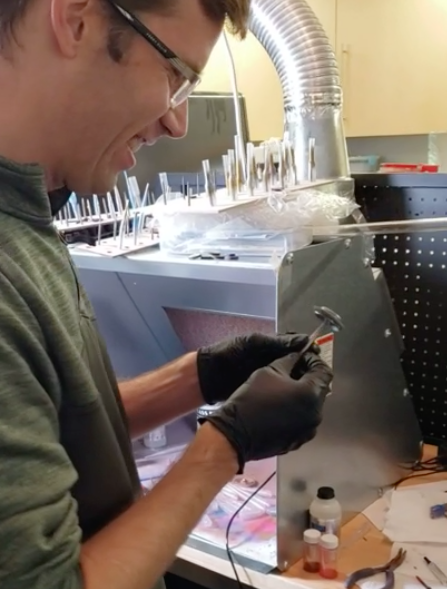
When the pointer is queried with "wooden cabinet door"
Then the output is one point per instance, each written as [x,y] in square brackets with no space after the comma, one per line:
[393,62]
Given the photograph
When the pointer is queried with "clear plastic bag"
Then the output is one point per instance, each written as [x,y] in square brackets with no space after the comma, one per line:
[274,223]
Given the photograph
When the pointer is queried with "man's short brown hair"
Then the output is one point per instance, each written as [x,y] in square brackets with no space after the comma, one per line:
[234,12]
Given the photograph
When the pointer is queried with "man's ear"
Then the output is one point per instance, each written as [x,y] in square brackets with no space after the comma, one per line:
[72,21]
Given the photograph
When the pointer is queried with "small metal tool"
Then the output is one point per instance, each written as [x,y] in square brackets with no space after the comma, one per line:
[387,568]
[329,321]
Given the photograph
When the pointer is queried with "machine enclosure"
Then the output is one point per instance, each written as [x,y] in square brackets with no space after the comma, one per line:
[153,307]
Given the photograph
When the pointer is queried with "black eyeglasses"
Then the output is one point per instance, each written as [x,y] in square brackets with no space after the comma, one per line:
[191,78]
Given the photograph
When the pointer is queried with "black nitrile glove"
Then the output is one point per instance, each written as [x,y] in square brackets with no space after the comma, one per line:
[223,367]
[277,410]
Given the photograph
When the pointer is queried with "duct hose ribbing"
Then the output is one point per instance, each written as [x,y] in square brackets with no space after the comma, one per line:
[313,99]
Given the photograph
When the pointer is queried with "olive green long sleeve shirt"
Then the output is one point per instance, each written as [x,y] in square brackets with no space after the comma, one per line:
[66,467]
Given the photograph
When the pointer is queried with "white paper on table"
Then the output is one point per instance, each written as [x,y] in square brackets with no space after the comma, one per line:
[414,564]
[376,512]
[402,582]
[408,518]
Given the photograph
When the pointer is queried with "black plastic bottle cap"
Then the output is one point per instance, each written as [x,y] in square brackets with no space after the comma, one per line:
[326,493]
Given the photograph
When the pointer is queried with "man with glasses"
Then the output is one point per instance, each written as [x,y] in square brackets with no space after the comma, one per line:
[83,85]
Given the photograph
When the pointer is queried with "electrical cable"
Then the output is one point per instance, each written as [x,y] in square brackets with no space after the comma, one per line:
[230,523]
[423,468]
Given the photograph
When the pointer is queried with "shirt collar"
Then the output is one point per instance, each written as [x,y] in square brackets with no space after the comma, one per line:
[23,193]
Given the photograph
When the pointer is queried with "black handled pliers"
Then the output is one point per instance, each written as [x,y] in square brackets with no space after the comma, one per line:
[387,568]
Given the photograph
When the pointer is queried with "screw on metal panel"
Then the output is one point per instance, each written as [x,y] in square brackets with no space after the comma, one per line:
[406,392]
[348,243]
[387,332]
[289,258]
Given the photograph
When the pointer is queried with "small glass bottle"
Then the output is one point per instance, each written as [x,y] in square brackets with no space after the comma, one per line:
[328,556]
[311,557]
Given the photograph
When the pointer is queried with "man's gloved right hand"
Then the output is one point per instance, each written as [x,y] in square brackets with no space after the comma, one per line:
[277,410]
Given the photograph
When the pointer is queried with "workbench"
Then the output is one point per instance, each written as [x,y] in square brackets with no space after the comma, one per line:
[362,545]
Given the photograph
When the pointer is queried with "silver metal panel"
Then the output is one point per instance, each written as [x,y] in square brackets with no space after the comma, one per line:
[249,270]
[132,344]
[131,307]
[370,431]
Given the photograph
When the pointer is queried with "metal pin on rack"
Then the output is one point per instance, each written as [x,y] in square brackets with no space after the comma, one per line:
[89,211]
[251,182]
[135,191]
[84,209]
[78,212]
[119,202]
[112,214]
[97,209]
[311,159]
[123,227]
[165,189]
[210,189]
[268,171]
[289,153]
[136,226]
[239,164]
[281,165]
[232,182]
[145,200]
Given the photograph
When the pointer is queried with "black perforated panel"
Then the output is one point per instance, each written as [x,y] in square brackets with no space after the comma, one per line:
[415,266]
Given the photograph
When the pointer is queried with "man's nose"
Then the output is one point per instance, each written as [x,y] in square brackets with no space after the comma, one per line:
[176,121]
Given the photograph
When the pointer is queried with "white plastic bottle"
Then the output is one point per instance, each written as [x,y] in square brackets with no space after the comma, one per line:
[325,512]
[156,438]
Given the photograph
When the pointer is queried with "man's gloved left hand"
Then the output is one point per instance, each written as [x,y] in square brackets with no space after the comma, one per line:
[224,367]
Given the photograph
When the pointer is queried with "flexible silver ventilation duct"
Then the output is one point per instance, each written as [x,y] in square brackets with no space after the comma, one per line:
[313,98]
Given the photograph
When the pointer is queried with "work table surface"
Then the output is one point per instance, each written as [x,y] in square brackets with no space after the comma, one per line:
[362,545]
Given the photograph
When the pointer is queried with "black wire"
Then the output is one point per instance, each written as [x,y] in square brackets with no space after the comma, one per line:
[425,468]
[230,523]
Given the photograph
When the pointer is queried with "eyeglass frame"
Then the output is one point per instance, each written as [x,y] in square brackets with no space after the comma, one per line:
[192,78]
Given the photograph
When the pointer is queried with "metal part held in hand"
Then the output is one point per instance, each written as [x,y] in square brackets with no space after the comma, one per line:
[329,320]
